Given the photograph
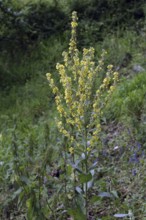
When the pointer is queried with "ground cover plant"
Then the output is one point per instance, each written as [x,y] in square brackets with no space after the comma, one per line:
[67,169]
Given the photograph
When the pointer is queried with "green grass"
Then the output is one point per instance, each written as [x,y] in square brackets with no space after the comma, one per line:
[34,63]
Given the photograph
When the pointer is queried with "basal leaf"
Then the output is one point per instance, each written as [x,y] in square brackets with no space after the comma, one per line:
[84,178]
[78,189]
[121,215]
[77,214]
[105,194]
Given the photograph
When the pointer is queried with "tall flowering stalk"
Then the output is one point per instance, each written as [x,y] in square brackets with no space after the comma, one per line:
[80,105]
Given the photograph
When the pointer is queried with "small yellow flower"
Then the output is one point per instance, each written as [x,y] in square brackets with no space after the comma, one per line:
[70,196]
[60,109]
[72,139]
[74,24]
[112,88]
[109,67]
[100,62]
[48,75]
[71,150]
[55,90]
[106,81]
[116,75]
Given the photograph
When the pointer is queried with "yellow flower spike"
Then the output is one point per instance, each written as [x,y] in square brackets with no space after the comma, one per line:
[109,67]
[72,44]
[106,81]
[116,76]
[66,59]
[59,123]
[60,109]
[74,25]
[77,121]
[72,139]
[74,16]
[93,141]
[55,90]
[71,150]
[57,66]
[48,75]
[112,88]
[94,105]
[79,109]
[65,133]
[100,62]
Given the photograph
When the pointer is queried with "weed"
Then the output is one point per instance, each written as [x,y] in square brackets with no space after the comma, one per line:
[80,107]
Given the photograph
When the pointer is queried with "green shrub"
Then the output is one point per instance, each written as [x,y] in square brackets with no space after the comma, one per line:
[22,67]
[23,25]
[128,99]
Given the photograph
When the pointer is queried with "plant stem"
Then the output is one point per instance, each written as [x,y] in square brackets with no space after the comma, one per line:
[86,171]
[65,166]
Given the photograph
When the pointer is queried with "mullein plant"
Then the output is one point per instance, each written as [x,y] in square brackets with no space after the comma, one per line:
[80,106]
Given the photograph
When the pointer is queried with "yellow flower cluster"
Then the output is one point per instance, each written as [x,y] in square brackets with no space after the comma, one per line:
[71,150]
[65,132]
[79,108]
[74,24]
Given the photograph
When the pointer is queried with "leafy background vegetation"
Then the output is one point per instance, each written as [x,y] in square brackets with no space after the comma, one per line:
[33,36]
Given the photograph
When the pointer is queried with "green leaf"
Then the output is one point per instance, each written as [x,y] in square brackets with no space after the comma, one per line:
[95,199]
[77,214]
[121,215]
[78,189]
[84,178]
[16,193]
[92,172]
[76,167]
[69,170]
[90,184]
[25,180]
[83,156]
[93,165]
[115,194]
